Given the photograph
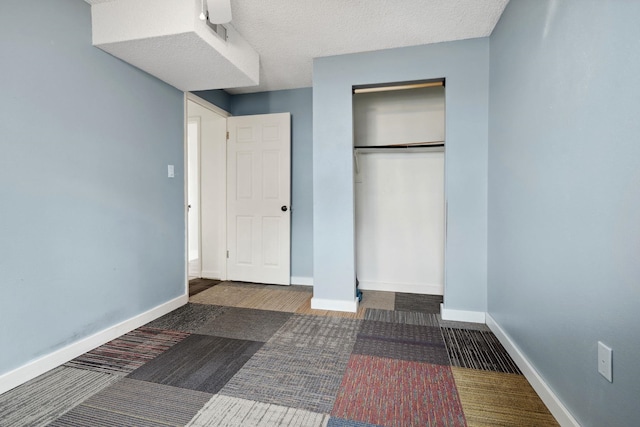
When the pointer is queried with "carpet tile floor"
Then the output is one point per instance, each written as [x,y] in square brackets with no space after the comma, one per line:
[244,354]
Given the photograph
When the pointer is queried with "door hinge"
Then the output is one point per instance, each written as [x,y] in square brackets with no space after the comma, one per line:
[227,134]
[227,254]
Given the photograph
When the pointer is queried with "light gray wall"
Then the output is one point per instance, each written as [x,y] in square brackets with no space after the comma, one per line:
[465,65]
[92,230]
[298,103]
[564,202]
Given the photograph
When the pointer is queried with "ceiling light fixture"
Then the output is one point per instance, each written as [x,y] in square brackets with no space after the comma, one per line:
[203,15]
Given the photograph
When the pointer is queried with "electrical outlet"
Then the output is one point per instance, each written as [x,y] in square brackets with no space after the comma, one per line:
[170,171]
[604,361]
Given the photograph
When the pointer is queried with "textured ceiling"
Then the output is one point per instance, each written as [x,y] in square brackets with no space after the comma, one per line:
[289,34]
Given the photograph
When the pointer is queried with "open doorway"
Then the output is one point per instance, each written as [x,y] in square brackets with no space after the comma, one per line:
[206,189]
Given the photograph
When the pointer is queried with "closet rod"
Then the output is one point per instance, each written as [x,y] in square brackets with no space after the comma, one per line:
[403,146]
[397,87]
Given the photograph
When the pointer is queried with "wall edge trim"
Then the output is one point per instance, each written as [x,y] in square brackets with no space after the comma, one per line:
[334,305]
[550,399]
[302,280]
[39,366]
[462,315]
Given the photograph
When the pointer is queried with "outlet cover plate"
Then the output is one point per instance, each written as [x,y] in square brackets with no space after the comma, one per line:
[604,361]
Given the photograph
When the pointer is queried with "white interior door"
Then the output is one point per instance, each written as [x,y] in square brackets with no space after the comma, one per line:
[193,195]
[400,221]
[259,198]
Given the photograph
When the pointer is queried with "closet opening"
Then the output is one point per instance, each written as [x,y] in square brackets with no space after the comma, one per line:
[399,152]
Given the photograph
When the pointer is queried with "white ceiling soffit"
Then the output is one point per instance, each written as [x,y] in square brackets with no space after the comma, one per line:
[289,34]
[167,39]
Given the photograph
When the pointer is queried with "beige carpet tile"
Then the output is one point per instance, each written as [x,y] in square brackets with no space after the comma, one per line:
[378,299]
[499,399]
[275,299]
[260,297]
[248,285]
[224,295]
[233,412]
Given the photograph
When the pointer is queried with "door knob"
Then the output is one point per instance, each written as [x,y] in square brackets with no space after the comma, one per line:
[283,209]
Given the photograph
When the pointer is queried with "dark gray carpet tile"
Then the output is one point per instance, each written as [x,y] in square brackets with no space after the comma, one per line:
[409,351]
[323,332]
[245,323]
[128,352]
[47,397]
[477,350]
[418,302]
[199,362]
[298,377]
[408,317]
[401,332]
[401,341]
[462,325]
[136,403]
[188,318]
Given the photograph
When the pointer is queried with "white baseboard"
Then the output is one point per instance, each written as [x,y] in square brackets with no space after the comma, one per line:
[553,403]
[412,288]
[334,305]
[52,360]
[462,315]
[211,274]
[302,280]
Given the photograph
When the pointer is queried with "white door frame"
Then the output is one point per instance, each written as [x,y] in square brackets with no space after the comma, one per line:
[223,210]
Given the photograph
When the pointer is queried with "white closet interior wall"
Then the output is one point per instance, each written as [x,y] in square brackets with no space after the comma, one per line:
[400,194]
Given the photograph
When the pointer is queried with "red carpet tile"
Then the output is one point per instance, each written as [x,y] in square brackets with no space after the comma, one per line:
[394,393]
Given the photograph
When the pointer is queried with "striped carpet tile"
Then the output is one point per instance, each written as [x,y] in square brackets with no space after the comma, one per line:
[232,412]
[45,398]
[136,403]
[401,341]
[396,393]
[477,350]
[498,399]
[127,353]
[408,317]
[462,325]
[245,323]
[200,362]
[187,318]
[295,376]
[326,333]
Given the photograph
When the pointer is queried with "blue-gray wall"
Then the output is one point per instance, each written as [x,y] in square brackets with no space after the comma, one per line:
[299,103]
[465,65]
[564,197]
[217,97]
[91,229]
